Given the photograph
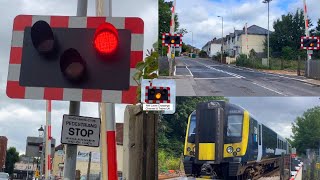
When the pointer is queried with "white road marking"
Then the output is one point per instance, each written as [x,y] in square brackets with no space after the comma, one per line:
[268,88]
[217,78]
[242,69]
[189,71]
[219,70]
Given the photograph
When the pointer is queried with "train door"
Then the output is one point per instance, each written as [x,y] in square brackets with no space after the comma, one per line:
[259,142]
[254,139]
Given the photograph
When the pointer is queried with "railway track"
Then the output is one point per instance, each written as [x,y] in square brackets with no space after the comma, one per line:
[272,173]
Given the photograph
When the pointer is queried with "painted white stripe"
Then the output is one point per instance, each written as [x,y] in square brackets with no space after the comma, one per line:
[268,88]
[219,70]
[14,72]
[217,78]
[118,22]
[17,39]
[132,81]
[34,93]
[72,94]
[189,71]
[77,22]
[111,96]
[137,42]
[38,18]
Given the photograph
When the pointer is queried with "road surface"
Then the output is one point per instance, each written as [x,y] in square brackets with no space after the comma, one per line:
[209,78]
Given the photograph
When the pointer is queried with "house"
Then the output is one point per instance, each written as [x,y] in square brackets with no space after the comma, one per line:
[212,47]
[236,43]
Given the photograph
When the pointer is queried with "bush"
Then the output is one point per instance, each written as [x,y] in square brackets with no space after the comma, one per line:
[203,54]
[166,161]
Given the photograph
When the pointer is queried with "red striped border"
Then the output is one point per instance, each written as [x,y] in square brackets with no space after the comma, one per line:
[310,48]
[14,90]
[168,34]
[155,101]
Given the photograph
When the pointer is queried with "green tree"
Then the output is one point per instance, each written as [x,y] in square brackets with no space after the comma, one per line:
[172,128]
[306,130]
[287,32]
[11,158]
[164,22]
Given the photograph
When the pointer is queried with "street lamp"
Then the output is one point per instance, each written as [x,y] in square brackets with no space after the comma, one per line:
[41,131]
[268,2]
[222,39]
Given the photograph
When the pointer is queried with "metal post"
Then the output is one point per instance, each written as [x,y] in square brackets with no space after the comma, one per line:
[42,152]
[192,43]
[222,42]
[269,35]
[71,150]
[111,141]
[48,141]
[307,34]
[74,109]
[28,168]
[89,165]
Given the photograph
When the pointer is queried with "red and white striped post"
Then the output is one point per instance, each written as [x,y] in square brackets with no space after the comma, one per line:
[111,142]
[307,34]
[48,165]
[172,26]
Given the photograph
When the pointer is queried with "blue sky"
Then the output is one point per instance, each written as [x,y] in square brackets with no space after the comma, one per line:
[200,16]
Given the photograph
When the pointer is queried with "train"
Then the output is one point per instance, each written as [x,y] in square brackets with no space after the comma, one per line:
[225,141]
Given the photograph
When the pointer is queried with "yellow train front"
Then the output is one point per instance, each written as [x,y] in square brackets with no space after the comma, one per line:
[224,141]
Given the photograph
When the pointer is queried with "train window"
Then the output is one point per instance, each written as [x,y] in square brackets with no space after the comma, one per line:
[234,125]
[192,128]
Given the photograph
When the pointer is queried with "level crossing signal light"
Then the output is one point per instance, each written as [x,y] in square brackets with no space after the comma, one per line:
[310,43]
[172,39]
[83,58]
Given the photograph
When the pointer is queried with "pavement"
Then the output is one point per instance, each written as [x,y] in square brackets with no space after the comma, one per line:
[204,77]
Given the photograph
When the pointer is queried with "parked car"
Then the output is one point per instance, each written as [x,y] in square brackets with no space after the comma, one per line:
[4,176]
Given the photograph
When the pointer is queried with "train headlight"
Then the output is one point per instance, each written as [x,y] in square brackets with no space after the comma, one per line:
[189,149]
[238,149]
[230,149]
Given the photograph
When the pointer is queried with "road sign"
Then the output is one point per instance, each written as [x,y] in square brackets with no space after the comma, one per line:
[75,69]
[171,39]
[80,130]
[310,43]
[158,95]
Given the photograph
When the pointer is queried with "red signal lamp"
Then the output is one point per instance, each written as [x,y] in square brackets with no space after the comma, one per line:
[106,39]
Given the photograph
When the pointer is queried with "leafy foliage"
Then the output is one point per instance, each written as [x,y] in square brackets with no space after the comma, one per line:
[164,22]
[172,128]
[287,33]
[167,161]
[203,54]
[146,69]
[306,130]
[11,158]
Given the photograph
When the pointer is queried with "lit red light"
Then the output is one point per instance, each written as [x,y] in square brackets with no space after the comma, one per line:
[106,39]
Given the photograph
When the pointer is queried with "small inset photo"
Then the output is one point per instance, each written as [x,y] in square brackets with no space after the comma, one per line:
[239,138]
[219,48]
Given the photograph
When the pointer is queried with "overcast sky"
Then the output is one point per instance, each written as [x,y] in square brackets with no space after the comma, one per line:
[22,118]
[277,112]
[200,16]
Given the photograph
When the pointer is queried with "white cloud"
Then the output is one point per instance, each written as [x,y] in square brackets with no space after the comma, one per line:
[200,16]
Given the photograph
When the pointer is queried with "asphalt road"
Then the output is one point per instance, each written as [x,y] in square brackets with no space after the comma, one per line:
[209,78]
